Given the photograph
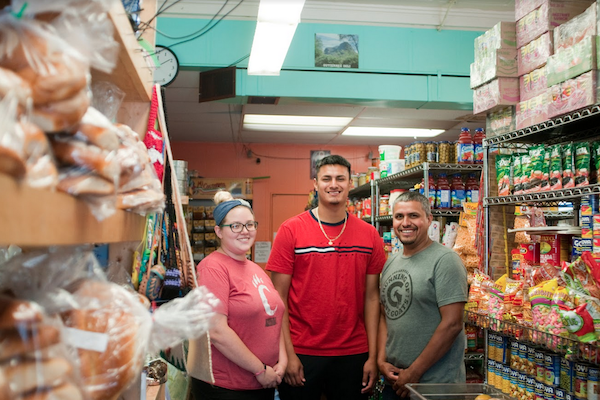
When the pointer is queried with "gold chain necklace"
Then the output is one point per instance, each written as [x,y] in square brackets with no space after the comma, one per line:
[330,241]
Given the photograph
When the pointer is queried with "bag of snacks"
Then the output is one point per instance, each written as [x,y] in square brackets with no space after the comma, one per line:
[567,166]
[556,174]
[582,164]
[503,163]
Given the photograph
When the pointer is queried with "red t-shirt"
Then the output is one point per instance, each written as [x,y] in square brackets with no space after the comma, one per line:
[254,310]
[326,299]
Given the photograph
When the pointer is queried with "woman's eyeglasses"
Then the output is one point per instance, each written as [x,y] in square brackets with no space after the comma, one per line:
[237,227]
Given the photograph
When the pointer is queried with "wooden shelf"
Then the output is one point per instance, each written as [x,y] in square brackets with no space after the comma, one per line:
[131,74]
[33,217]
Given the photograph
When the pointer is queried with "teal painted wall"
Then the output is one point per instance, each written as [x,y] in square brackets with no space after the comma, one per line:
[404,67]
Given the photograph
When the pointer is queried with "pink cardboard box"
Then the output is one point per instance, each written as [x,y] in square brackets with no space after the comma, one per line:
[532,111]
[501,63]
[497,93]
[572,61]
[533,84]
[575,30]
[500,36]
[572,94]
[545,18]
[534,54]
[500,122]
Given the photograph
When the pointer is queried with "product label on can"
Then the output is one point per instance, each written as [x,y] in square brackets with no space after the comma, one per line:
[581,372]
[566,375]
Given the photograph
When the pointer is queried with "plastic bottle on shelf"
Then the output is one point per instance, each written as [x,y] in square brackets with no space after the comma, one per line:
[432,191]
[472,189]
[464,147]
[478,146]
[457,193]
[443,197]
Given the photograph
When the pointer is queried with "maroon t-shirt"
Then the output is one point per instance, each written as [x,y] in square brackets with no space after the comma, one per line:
[254,310]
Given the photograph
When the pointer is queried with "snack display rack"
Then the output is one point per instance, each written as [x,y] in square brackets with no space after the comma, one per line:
[576,126]
[572,349]
[34,217]
[404,180]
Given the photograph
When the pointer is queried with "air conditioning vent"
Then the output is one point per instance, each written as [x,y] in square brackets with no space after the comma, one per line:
[263,100]
[217,84]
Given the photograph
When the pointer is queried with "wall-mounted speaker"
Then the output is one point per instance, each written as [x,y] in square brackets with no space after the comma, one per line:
[217,84]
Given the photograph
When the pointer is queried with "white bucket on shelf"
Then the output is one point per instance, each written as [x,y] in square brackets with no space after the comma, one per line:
[389,152]
[395,166]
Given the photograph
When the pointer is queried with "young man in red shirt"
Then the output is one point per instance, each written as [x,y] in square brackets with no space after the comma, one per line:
[325,264]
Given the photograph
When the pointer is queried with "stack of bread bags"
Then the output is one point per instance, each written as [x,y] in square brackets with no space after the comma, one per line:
[45,88]
[106,328]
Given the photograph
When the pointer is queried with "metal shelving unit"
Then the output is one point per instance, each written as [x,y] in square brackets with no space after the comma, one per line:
[549,198]
[557,344]
[581,123]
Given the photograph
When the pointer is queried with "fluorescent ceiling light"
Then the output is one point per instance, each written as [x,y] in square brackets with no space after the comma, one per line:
[391,132]
[294,123]
[276,24]
[296,120]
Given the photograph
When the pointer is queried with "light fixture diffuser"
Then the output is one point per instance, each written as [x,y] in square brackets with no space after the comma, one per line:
[390,132]
[276,24]
[295,123]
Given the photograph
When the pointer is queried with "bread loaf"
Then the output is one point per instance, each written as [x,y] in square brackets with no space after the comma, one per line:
[26,376]
[140,199]
[105,138]
[15,342]
[22,45]
[62,78]
[63,115]
[65,391]
[10,81]
[108,309]
[85,184]
[74,152]
[11,163]
[18,313]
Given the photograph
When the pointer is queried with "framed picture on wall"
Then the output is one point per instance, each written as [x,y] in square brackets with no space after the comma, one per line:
[316,155]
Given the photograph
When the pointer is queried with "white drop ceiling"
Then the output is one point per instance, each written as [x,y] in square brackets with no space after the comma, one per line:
[220,121]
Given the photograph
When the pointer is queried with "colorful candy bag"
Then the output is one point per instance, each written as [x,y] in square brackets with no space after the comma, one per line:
[513,301]
[561,302]
[582,164]
[478,297]
[495,303]
[503,163]
[556,174]
[541,299]
[584,319]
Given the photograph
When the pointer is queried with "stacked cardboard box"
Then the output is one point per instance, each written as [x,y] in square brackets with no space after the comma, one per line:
[494,72]
[544,28]
[571,70]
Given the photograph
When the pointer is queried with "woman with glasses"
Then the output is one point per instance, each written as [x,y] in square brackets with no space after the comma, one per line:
[247,351]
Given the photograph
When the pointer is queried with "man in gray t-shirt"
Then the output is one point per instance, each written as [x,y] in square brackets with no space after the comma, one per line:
[423,293]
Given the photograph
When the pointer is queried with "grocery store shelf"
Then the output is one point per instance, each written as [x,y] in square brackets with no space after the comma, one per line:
[583,123]
[131,74]
[474,356]
[544,198]
[558,214]
[34,218]
[558,344]
[419,169]
[361,191]
[436,213]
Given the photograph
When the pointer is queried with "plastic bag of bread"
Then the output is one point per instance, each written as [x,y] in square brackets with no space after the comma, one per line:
[184,318]
[107,98]
[12,139]
[34,362]
[57,74]
[108,326]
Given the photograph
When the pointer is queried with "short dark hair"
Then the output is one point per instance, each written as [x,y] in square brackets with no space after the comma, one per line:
[414,196]
[333,160]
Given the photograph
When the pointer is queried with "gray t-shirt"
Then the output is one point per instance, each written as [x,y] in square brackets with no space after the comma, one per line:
[412,290]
